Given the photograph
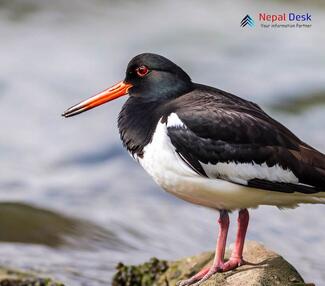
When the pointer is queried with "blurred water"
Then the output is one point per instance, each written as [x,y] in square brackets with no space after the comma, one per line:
[102,207]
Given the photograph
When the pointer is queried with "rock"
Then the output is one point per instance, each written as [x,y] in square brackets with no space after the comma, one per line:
[9,277]
[267,268]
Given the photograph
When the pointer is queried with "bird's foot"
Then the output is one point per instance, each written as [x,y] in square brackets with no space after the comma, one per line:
[202,276]
[206,273]
[233,263]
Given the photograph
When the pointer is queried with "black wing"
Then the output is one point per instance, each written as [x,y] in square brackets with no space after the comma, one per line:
[222,128]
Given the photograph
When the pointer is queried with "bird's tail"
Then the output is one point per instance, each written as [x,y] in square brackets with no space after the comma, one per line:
[311,167]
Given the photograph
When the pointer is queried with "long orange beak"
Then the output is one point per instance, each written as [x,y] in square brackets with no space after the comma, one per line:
[107,95]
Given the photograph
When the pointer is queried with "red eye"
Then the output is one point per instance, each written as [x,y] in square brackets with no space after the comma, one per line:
[142,71]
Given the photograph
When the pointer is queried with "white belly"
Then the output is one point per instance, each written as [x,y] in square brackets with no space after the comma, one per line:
[170,172]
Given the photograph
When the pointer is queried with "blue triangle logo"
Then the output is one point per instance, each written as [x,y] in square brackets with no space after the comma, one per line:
[247,21]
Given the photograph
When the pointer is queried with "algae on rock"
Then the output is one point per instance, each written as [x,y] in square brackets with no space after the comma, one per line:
[143,275]
[9,277]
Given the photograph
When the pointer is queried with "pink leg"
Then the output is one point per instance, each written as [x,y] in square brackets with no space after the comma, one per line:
[218,262]
[236,258]
[221,241]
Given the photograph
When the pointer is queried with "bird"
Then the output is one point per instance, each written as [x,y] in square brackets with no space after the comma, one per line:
[210,148]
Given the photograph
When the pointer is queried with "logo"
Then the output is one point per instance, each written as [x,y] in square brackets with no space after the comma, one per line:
[247,20]
[279,20]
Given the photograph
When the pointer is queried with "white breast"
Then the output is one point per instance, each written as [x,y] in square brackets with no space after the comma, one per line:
[169,171]
[160,159]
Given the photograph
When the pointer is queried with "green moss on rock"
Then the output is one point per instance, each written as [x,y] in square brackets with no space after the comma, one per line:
[142,275]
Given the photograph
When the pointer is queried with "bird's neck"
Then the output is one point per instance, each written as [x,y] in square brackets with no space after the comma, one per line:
[137,123]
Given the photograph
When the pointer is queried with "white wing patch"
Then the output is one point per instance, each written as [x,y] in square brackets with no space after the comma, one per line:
[243,172]
[174,121]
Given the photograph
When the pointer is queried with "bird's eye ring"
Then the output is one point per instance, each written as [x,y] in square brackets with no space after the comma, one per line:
[142,71]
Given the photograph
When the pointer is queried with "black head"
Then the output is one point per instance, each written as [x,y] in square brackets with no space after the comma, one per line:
[150,77]
[156,78]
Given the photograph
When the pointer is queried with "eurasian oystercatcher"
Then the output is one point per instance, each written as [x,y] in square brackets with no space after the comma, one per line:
[211,148]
